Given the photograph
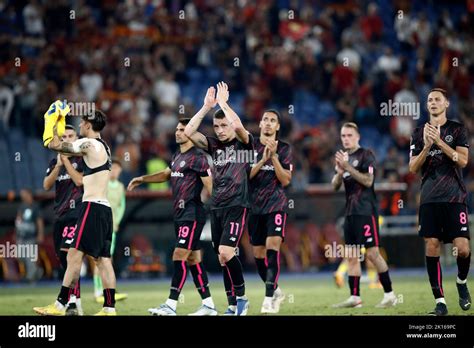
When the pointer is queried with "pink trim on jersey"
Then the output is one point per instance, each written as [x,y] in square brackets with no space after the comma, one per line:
[83,223]
[192,235]
[439,279]
[77,290]
[231,282]
[242,226]
[183,279]
[375,231]
[201,282]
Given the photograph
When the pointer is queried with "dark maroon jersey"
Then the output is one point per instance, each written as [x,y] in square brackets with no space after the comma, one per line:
[230,172]
[442,179]
[68,196]
[360,200]
[267,192]
[186,171]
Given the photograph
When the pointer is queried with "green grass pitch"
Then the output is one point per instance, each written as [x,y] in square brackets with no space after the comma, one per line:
[305,296]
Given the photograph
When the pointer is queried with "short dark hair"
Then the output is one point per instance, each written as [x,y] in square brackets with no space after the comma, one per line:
[219,114]
[71,127]
[273,111]
[440,90]
[184,121]
[97,120]
[116,160]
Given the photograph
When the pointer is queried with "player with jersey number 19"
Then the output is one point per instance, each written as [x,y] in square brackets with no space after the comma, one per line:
[188,173]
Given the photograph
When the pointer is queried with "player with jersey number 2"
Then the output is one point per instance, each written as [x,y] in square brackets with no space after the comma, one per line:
[355,166]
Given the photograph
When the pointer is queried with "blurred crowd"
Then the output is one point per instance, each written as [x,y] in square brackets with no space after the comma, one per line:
[147,63]
[321,63]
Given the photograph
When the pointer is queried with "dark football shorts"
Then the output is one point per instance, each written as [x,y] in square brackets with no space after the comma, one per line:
[188,234]
[93,232]
[362,230]
[444,221]
[266,225]
[64,226]
[227,226]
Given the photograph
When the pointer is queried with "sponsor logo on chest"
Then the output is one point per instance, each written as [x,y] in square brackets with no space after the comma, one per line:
[176,173]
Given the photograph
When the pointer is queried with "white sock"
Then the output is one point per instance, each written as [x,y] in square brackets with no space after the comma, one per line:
[72,299]
[267,300]
[241,297]
[388,294]
[172,303]
[232,307]
[441,299]
[208,302]
[277,291]
[108,309]
[459,281]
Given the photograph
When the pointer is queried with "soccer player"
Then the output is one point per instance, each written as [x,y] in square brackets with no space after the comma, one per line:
[440,150]
[65,173]
[29,230]
[116,198]
[356,168]
[232,152]
[188,172]
[267,220]
[93,233]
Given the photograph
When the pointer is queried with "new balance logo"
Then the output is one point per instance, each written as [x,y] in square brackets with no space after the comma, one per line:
[278,229]
[182,241]
[37,331]
[233,239]
[464,229]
